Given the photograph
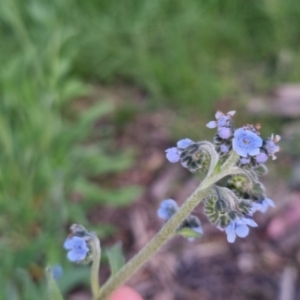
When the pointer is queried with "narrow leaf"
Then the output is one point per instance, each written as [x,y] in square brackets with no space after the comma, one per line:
[53,290]
[115,257]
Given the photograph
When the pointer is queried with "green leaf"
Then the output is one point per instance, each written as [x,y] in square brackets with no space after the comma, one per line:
[92,160]
[94,113]
[74,275]
[94,194]
[115,257]
[53,290]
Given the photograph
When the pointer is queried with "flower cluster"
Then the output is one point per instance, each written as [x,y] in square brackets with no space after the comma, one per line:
[231,206]
[225,129]
[190,228]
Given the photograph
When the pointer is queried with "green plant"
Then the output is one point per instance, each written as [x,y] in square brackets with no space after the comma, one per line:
[48,150]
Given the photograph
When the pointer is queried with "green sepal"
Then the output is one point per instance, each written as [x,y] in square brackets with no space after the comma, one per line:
[115,257]
[188,233]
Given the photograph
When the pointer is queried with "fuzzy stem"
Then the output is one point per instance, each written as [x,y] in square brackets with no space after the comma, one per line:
[166,232]
[95,244]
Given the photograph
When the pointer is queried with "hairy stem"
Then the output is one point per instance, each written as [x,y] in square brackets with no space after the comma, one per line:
[95,266]
[166,232]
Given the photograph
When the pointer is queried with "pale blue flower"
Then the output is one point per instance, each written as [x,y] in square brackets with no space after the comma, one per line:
[172,155]
[211,124]
[225,132]
[184,143]
[239,227]
[224,148]
[245,160]
[77,247]
[262,205]
[167,209]
[222,120]
[270,146]
[261,157]
[246,142]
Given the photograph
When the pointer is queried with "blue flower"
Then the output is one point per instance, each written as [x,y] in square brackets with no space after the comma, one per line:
[224,148]
[167,209]
[261,158]
[184,143]
[77,247]
[244,160]
[246,142]
[222,120]
[238,227]
[270,146]
[262,205]
[173,154]
[56,271]
[225,132]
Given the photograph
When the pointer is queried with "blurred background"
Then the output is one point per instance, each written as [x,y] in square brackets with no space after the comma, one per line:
[93,92]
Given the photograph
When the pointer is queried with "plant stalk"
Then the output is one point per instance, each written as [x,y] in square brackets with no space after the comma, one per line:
[95,243]
[166,232]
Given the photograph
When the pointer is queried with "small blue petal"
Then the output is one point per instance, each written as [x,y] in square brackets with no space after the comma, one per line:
[261,158]
[262,206]
[244,160]
[239,150]
[230,232]
[270,202]
[253,152]
[172,155]
[199,230]
[242,230]
[255,207]
[184,143]
[224,132]
[76,256]
[247,221]
[69,243]
[223,121]
[224,148]
[77,247]
[211,124]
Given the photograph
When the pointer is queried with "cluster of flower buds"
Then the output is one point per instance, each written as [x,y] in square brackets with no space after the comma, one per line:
[231,205]
[190,228]
[191,155]
[78,244]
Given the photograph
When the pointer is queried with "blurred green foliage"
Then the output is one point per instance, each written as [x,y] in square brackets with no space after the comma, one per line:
[49,152]
[188,53]
[183,53]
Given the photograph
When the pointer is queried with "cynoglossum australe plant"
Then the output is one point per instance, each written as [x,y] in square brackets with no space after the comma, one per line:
[236,157]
